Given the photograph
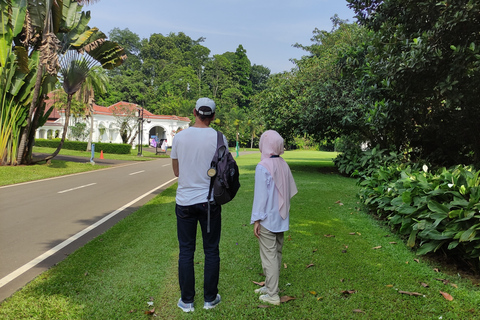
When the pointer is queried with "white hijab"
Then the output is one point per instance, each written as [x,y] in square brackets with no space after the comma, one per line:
[271,144]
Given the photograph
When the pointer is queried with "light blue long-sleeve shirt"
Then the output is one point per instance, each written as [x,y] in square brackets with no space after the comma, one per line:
[265,203]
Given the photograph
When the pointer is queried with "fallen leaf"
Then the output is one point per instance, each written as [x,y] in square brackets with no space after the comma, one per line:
[286,299]
[152,311]
[263,306]
[150,303]
[261,284]
[445,281]
[424,284]
[319,298]
[340,204]
[358,311]
[344,251]
[389,285]
[359,233]
[416,294]
[342,280]
[406,262]
[352,233]
[377,247]
[454,285]
[329,235]
[348,291]
[436,269]
[446,296]
[313,292]
[315,250]
[132,311]
[309,266]
[285,265]
[338,201]
[416,260]
[393,242]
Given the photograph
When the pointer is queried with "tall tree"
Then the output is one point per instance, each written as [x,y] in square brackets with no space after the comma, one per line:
[242,72]
[428,58]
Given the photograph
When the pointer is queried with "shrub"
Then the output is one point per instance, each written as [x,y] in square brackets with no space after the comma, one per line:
[434,210]
[114,148]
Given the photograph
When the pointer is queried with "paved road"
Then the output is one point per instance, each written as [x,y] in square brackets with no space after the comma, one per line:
[41,222]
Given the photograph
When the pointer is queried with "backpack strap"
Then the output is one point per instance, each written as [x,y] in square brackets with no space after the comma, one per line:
[214,163]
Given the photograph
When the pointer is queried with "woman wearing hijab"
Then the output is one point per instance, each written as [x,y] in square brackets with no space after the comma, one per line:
[274,186]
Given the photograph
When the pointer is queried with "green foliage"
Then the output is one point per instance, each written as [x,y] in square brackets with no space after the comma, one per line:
[432,210]
[115,148]
[362,164]
[78,131]
[422,73]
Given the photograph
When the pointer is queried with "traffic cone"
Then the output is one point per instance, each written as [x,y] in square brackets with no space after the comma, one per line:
[101,154]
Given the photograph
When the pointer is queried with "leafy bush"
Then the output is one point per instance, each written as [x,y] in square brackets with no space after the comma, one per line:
[437,210]
[357,163]
[114,148]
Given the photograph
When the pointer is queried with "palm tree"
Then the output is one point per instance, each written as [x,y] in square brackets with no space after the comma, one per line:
[96,81]
[56,29]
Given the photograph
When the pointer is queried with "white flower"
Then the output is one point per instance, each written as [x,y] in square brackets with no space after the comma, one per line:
[425,168]
[389,189]
[450,185]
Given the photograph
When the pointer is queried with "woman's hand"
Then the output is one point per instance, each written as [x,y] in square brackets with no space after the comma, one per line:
[256,229]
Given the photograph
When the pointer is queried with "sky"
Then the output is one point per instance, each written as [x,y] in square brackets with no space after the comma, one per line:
[266,29]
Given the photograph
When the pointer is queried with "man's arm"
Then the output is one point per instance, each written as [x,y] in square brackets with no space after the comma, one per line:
[175,167]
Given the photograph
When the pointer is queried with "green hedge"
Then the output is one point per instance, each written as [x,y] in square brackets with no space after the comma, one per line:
[114,148]
[436,210]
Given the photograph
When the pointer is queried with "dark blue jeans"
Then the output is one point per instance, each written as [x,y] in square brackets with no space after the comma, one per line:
[187,218]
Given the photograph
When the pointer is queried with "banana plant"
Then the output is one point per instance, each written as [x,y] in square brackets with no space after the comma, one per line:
[40,34]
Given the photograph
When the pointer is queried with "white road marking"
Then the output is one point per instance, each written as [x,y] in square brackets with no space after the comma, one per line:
[5,280]
[131,174]
[76,188]
[166,165]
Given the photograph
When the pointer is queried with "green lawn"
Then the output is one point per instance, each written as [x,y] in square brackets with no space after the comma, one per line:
[18,174]
[339,263]
[147,155]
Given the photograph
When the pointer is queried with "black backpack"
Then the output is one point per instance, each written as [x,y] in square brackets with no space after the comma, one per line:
[224,182]
[224,174]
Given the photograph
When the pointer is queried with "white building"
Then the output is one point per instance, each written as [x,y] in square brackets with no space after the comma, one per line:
[106,125]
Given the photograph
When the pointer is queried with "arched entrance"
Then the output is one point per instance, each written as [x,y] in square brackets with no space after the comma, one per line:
[158,133]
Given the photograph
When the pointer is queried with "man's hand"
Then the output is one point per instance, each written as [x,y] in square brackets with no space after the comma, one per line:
[175,167]
[256,229]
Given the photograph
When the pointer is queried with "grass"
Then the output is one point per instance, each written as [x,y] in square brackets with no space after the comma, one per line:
[135,262]
[18,174]
[147,155]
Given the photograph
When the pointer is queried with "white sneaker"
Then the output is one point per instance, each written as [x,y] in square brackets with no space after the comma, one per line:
[270,299]
[213,304]
[186,307]
[261,290]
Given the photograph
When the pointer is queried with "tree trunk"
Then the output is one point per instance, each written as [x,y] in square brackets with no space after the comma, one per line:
[65,129]
[26,132]
[31,138]
[90,136]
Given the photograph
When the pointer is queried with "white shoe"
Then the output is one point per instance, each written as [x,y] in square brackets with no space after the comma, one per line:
[261,290]
[270,299]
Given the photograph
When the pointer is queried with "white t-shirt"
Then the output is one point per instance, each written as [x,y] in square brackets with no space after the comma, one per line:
[194,149]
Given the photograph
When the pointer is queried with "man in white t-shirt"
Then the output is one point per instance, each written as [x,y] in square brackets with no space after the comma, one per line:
[192,153]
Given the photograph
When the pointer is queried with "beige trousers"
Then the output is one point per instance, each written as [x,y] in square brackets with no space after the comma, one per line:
[271,245]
